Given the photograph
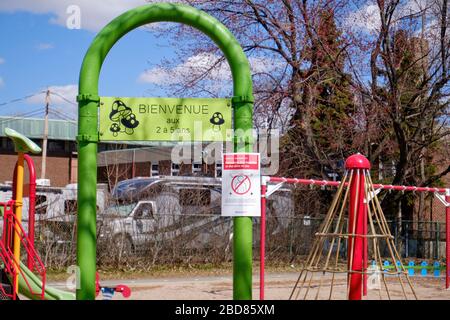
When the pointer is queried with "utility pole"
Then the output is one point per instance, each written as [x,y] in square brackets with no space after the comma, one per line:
[44,142]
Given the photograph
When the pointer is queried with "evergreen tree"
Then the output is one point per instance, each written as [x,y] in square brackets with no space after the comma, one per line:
[327,94]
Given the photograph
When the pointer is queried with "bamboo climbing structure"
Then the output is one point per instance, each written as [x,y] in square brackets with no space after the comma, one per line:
[354,232]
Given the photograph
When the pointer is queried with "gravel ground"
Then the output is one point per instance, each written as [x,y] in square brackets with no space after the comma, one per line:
[278,287]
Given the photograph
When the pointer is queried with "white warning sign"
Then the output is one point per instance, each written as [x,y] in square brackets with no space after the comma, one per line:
[241,185]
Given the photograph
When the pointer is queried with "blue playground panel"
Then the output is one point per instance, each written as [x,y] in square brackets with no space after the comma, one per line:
[423,269]
[410,268]
[436,269]
[386,266]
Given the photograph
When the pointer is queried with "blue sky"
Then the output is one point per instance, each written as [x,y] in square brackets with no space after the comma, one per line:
[37,52]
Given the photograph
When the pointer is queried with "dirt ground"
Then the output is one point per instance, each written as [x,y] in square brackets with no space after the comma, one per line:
[278,287]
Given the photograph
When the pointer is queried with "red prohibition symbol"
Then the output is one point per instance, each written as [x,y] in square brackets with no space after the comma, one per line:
[241,184]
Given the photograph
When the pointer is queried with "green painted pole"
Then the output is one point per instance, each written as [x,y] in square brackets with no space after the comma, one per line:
[88,130]
[243,226]
[87,194]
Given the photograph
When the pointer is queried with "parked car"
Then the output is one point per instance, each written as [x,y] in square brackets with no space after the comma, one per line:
[149,211]
[140,226]
[127,225]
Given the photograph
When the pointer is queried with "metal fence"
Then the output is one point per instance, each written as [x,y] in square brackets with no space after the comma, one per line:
[413,239]
[198,238]
[187,229]
[420,239]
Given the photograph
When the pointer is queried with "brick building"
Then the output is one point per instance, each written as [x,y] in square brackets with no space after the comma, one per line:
[61,148]
[146,161]
[116,161]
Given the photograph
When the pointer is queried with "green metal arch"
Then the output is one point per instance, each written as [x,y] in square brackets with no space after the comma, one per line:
[88,130]
[160,12]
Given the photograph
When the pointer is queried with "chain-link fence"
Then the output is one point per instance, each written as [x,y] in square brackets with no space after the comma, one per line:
[420,239]
[171,226]
[194,238]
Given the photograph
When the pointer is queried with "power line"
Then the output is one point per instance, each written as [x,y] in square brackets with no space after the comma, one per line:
[64,98]
[58,117]
[54,111]
[65,113]
[36,94]
[27,114]
[34,111]
[20,99]
[61,115]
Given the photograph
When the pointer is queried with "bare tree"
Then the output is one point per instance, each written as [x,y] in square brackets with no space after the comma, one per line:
[334,90]
[294,79]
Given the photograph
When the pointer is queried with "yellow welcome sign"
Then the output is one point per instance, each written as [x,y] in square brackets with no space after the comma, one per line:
[165,119]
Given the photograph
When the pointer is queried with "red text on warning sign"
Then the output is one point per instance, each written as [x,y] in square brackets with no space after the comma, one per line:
[241,161]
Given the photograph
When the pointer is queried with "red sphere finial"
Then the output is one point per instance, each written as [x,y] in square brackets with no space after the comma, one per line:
[357,161]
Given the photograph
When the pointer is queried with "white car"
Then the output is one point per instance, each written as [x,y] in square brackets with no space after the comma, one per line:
[128,226]
[153,224]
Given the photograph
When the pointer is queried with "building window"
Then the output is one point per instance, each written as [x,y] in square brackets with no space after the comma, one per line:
[56,146]
[218,170]
[9,145]
[102,147]
[175,169]
[197,167]
[155,169]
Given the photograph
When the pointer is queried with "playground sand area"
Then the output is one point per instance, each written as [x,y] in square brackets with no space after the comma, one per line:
[278,287]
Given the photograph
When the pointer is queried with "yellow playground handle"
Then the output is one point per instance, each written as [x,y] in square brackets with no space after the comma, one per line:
[18,214]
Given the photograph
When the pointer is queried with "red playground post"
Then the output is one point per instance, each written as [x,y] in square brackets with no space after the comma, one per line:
[357,165]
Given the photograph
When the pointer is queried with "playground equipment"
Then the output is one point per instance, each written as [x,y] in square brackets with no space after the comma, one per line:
[108,292]
[13,234]
[16,276]
[14,272]
[271,184]
[89,136]
[363,210]
[422,269]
